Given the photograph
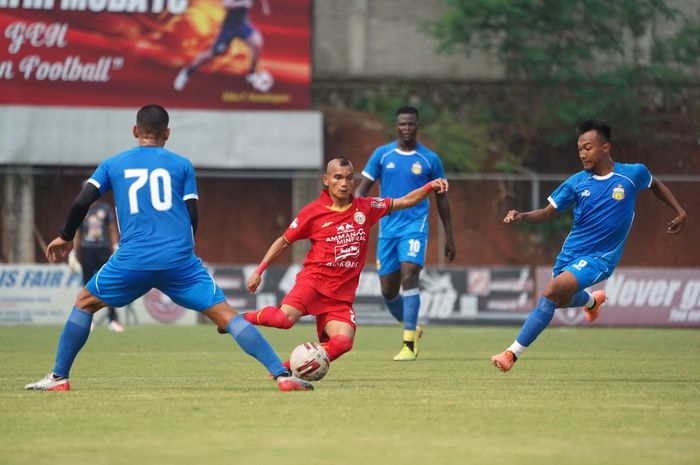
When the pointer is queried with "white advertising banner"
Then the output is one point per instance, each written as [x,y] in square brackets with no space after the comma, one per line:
[44,295]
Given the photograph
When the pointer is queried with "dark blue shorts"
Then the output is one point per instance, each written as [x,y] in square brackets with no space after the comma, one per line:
[235,24]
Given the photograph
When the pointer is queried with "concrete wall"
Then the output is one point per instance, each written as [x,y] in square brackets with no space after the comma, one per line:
[369,39]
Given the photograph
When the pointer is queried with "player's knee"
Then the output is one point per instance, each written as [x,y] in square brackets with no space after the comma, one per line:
[338,345]
[282,321]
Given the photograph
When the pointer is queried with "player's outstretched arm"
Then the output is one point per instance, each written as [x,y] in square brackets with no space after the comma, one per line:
[664,193]
[541,215]
[275,250]
[414,197]
[61,246]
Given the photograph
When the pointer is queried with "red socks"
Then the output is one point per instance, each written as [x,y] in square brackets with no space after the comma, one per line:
[337,346]
[269,316]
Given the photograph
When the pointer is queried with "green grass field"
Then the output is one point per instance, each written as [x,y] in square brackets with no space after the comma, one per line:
[185,395]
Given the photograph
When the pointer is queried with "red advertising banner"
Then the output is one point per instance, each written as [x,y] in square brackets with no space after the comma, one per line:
[640,297]
[198,54]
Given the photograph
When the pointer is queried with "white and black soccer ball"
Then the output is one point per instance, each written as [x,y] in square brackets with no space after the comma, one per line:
[309,361]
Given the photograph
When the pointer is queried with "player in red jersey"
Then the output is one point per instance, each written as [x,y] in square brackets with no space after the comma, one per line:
[338,225]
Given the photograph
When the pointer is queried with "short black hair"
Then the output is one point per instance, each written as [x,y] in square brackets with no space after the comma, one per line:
[342,160]
[407,111]
[152,119]
[601,127]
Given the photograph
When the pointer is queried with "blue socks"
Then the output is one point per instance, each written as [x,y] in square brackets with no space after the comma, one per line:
[395,307]
[254,344]
[537,321]
[75,333]
[580,299]
[411,306]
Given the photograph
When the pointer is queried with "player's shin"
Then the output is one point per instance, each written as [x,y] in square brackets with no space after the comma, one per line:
[75,334]
[411,306]
[537,321]
[395,307]
[582,298]
[337,346]
[269,316]
[255,345]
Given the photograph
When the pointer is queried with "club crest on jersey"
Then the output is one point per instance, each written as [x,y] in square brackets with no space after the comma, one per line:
[416,168]
[618,193]
[359,218]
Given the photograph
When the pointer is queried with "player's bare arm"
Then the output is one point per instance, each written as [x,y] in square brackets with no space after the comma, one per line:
[265,7]
[443,207]
[541,215]
[664,194]
[416,196]
[276,249]
[364,187]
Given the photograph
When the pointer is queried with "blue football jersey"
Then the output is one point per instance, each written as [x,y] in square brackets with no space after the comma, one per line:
[603,210]
[399,173]
[150,187]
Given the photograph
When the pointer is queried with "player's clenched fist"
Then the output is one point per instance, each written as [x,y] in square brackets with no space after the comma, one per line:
[440,185]
[513,215]
[254,282]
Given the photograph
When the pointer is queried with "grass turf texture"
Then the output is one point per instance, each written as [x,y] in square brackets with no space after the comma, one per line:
[185,395]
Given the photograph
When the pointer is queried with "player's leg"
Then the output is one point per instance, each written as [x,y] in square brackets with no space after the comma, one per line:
[560,289]
[389,270]
[336,332]
[588,270]
[110,286]
[220,45]
[411,253]
[191,286]
[293,307]
[254,40]
[102,254]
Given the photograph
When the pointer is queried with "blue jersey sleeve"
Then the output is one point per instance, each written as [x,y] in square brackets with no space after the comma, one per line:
[373,169]
[563,196]
[190,187]
[438,169]
[100,178]
[641,176]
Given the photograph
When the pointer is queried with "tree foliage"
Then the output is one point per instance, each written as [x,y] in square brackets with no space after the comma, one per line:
[615,60]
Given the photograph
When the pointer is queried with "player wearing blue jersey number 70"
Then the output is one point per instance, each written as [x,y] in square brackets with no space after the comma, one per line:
[603,196]
[155,195]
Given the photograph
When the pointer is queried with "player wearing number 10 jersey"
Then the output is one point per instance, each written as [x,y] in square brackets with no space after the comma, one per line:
[155,195]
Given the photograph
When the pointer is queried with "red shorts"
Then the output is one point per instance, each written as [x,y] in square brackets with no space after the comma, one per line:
[306,299]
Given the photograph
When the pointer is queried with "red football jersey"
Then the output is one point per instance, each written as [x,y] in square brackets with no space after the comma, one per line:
[339,242]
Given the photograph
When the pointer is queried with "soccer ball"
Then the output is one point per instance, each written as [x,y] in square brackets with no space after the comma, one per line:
[263,81]
[309,361]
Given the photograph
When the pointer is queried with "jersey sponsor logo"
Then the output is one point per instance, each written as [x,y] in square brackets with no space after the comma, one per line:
[295,224]
[347,234]
[391,165]
[618,193]
[378,203]
[581,264]
[326,224]
[586,193]
[416,168]
[359,218]
[343,252]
